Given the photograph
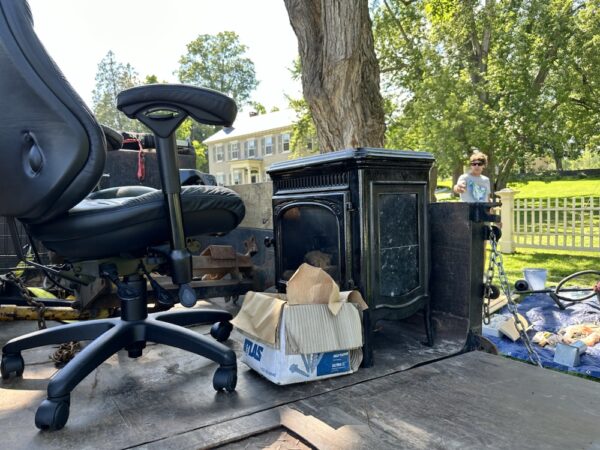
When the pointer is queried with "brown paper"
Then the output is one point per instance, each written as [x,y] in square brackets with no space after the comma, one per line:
[226,252]
[355,298]
[260,315]
[311,285]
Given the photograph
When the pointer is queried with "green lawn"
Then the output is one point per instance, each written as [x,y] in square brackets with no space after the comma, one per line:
[558,188]
[558,263]
[568,187]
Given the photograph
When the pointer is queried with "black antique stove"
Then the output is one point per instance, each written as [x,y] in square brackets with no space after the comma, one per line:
[361,215]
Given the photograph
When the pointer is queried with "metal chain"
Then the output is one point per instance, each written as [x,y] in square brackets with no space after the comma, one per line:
[487,289]
[66,351]
[496,260]
[39,306]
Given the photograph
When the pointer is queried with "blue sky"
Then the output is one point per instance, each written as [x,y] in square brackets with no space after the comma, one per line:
[152,35]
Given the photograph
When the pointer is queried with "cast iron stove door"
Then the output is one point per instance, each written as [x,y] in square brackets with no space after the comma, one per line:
[398,256]
[311,230]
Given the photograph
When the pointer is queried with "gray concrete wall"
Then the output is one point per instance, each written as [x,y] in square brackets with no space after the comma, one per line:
[257,198]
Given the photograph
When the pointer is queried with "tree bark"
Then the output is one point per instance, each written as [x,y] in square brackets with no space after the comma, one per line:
[340,72]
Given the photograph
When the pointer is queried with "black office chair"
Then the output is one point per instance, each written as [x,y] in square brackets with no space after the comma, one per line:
[52,154]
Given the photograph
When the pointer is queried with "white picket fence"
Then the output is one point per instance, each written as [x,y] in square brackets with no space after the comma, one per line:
[571,223]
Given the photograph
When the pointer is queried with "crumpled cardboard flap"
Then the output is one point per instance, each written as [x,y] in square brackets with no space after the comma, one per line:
[355,298]
[310,285]
[312,329]
[260,315]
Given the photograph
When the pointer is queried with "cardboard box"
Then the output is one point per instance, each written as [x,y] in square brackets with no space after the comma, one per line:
[299,354]
[313,333]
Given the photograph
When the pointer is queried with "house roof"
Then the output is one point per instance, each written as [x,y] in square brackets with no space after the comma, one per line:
[248,126]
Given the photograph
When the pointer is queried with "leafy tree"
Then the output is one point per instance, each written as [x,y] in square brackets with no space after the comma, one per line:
[218,62]
[111,78]
[515,79]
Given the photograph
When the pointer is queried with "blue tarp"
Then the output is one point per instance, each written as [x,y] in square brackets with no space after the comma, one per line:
[543,314]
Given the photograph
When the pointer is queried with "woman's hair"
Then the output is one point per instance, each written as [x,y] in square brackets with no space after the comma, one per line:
[478,156]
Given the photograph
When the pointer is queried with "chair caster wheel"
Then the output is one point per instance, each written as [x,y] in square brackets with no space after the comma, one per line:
[12,363]
[225,378]
[52,414]
[221,331]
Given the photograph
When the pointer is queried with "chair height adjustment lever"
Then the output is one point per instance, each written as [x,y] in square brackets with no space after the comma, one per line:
[163,296]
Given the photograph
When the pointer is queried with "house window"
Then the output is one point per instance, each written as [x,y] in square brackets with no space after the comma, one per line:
[254,176]
[286,142]
[269,145]
[251,148]
[220,179]
[236,177]
[235,151]
[219,153]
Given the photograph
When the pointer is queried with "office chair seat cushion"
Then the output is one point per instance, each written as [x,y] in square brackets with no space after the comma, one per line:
[126,220]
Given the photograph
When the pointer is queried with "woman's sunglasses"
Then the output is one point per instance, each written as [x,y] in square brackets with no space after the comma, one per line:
[477,164]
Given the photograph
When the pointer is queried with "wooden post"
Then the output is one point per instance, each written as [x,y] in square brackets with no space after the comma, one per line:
[507,197]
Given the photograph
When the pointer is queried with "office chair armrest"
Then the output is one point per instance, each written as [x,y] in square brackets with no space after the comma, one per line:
[153,101]
[162,108]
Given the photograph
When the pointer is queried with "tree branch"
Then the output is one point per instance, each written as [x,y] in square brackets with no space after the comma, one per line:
[407,39]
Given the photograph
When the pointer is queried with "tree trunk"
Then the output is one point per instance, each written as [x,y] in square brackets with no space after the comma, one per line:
[503,174]
[340,72]
[457,171]
[433,175]
[558,161]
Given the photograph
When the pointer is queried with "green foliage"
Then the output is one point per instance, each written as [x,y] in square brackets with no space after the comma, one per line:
[589,159]
[201,159]
[218,62]
[303,130]
[111,78]
[258,108]
[515,79]
[196,133]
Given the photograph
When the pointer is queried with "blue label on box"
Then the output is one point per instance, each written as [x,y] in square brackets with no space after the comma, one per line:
[334,362]
[253,350]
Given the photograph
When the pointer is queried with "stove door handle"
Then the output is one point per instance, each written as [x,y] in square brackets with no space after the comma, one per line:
[269,242]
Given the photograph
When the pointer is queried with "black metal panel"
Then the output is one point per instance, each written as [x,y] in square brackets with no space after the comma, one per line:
[457,257]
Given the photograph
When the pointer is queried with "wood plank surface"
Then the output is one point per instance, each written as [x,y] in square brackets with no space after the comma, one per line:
[471,401]
[166,392]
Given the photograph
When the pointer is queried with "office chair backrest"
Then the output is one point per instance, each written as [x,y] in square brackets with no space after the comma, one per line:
[52,150]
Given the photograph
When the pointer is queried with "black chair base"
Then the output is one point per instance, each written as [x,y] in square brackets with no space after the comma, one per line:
[108,336]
